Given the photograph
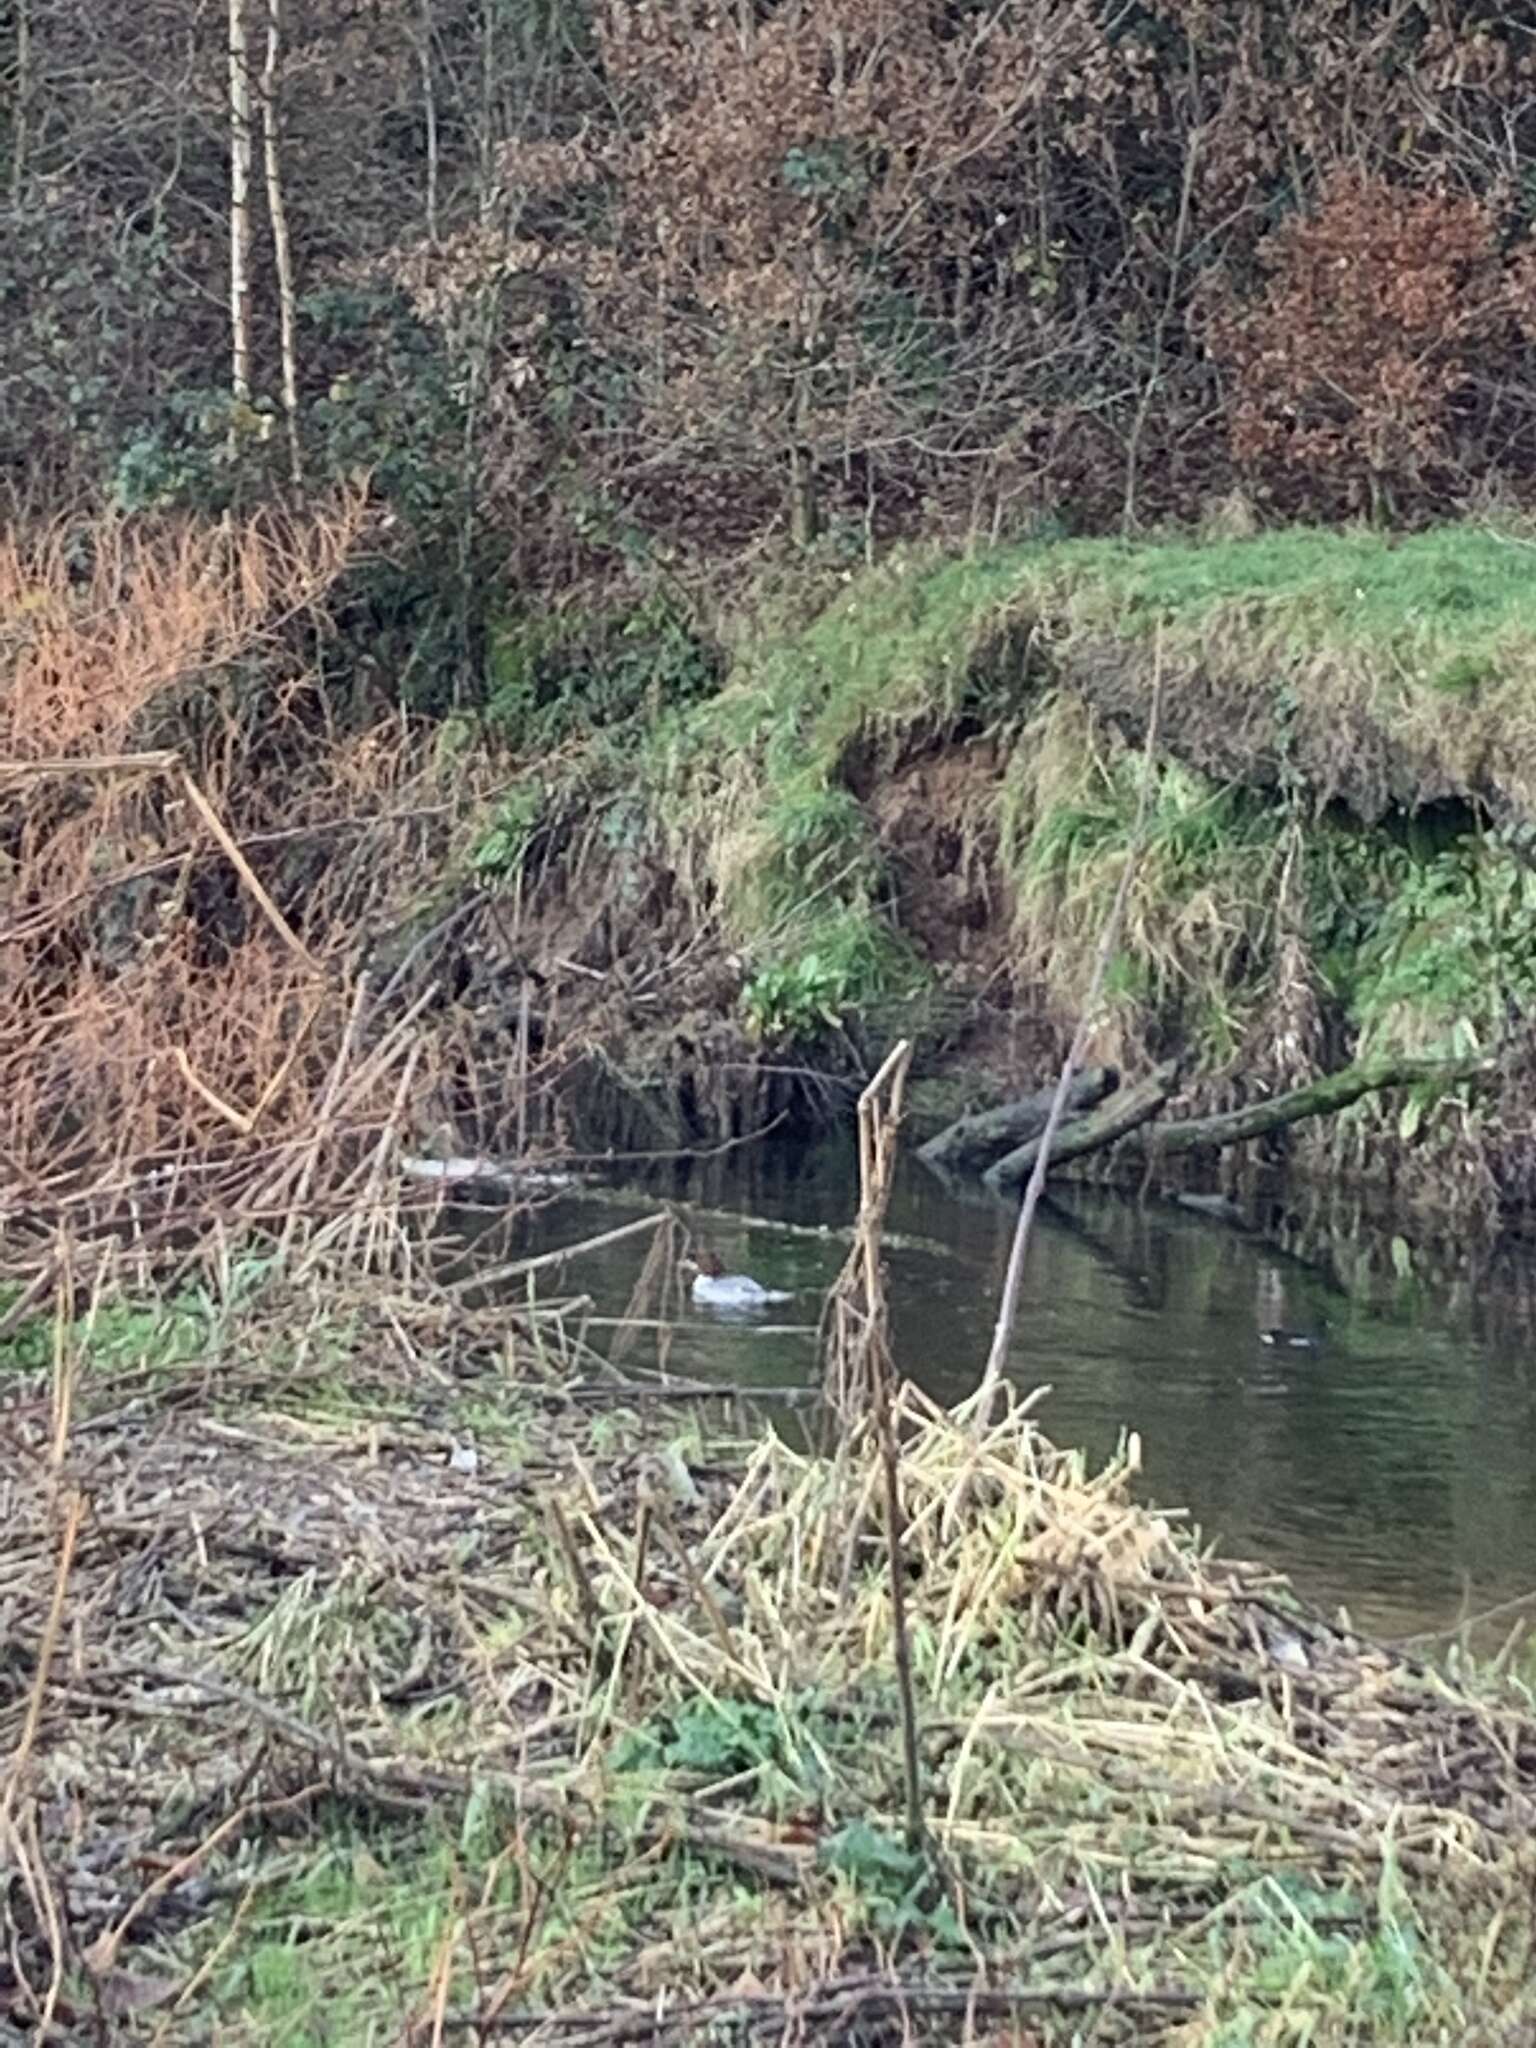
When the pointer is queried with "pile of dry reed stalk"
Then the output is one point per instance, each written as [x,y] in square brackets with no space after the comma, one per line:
[395,1667]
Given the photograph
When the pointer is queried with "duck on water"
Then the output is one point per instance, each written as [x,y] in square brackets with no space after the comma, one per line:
[713,1287]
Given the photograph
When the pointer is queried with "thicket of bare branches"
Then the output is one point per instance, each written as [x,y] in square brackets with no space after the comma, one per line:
[609,275]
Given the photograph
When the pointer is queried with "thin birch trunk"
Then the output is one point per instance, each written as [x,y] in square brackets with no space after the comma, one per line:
[239,210]
[429,108]
[21,99]
[282,249]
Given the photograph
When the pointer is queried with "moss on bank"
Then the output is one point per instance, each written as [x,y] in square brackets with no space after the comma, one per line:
[930,787]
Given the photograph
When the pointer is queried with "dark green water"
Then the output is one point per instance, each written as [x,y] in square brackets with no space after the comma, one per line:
[1392,1471]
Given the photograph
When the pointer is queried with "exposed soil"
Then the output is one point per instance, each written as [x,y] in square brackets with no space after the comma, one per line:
[934,819]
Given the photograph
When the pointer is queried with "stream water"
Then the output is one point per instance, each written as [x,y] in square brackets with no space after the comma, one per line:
[1391,1470]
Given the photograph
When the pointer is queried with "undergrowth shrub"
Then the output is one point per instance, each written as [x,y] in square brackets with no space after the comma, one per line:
[1451,962]
[561,675]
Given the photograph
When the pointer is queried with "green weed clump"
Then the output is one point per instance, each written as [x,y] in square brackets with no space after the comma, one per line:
[1452,956]
[114,1336]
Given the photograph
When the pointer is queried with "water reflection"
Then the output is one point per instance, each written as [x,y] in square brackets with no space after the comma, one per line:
[1391,1469]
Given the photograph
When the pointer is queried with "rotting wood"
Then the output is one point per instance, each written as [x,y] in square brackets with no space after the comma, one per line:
[1118,1115]
[973,1140]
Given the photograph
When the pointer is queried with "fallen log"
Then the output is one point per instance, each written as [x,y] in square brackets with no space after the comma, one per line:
[971,1140]
[1322,1097]
[1116,1116]
[1132,1110]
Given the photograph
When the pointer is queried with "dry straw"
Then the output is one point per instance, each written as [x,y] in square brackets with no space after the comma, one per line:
[671,1662]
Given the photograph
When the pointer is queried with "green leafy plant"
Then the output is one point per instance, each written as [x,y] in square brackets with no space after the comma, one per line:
[895,1882]
[1453,952]
[120,1334]
[718,1736]
[502,851]
[796,999]
[848,957]
[561,675]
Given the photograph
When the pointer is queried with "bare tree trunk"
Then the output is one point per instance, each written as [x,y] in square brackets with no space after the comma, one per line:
[429,110]
[282,249]
[1128,510]
[239,209]
[21,98]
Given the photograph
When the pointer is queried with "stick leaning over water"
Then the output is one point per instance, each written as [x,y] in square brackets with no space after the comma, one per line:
[1008,1306]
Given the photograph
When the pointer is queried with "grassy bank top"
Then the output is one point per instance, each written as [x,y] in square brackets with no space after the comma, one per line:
[1429,637]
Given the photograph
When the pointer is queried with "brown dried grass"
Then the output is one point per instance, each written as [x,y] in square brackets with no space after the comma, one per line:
[190,841]
[1158,1791]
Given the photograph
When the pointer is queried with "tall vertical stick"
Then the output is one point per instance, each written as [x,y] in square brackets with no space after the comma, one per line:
[21,99]
[1008,1306]
[239,210]
[429,111]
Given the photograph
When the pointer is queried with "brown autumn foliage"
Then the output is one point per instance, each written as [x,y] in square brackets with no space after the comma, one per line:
[1388,316]
[604,276]
[152,1004]
[808,273]
[879,266]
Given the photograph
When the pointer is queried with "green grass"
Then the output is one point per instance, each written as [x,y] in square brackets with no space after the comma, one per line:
[119,1336]
[341,1948]
[1367,666]
[1462,587]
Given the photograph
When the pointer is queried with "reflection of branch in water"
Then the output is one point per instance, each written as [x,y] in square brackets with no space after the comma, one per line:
[1138,1285]
[1264,1240]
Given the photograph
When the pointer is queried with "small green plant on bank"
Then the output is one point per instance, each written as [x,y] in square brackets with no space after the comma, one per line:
[1453,956]
[119,1334]
[563,675]
[500,854]
[852,958]
[796,1000]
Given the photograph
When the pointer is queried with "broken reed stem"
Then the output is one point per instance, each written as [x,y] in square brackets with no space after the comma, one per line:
[167,762]
[1008,1306]
[247,873]
[63,1352]
[101,1956]
[321,1130]
[542,1260]
[523,1005]
[860,1375]
[895,1544]
[853,1321]
[51,1627]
